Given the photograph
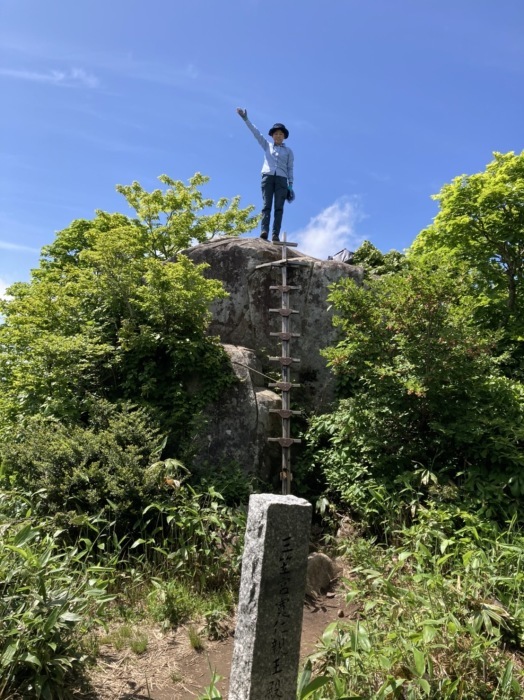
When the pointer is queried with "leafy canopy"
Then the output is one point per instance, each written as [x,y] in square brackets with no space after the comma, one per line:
[115,311]
[431,358]
[375,262]
[481,221]
[421,389]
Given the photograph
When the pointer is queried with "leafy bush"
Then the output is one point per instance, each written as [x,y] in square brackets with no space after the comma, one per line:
[116,311]
[88,470]
[184,563]
[422,393]
[376,263]
[191,534]
[50,597]
[480,222]
[435,616]
[228,478]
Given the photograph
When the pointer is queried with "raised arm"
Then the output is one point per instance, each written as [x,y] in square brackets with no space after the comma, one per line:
[252,128]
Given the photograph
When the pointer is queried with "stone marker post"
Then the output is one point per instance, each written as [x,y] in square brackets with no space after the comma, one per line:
[272,586]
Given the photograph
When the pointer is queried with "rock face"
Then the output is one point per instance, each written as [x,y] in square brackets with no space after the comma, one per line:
[243,318]
[236,429]
[322,572]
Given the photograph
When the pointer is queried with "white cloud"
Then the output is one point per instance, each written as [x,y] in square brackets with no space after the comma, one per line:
[331,230]
[83,77]
[5,245]
[186,76]
[3,286]
[74,77]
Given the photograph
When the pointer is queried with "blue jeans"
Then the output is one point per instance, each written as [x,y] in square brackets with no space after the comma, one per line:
[273,186]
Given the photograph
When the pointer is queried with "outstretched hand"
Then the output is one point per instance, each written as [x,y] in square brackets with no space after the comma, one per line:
[242,113]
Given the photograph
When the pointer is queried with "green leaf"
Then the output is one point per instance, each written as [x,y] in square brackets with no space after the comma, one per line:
[384,662]
[329,632]
[51,621]
[31,659]
[390,686]
[70,617]
[9,655]
[428,633]
[424,685]
[314,685]
[25,535]
[420,661]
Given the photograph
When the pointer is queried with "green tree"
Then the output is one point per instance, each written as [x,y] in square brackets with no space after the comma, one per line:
[375,262]
[421,388]
[115,311]
[481,221]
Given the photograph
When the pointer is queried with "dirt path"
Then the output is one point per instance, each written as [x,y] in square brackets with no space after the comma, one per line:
[171,669]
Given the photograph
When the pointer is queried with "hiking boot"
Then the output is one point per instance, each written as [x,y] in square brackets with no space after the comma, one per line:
[263,235]
[275,239]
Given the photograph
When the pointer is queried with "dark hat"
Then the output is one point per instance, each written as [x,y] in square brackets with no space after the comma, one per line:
[281,127]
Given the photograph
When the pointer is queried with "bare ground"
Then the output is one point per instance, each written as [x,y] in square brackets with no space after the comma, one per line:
[170,669]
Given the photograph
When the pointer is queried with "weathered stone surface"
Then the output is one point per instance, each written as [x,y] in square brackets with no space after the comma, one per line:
[244,319]
[269,617]
[237,427]
[321,574]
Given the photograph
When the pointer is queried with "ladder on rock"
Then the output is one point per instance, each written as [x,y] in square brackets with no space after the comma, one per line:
[285,360]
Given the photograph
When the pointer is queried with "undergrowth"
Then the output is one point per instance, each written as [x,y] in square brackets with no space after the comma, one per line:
[438,608]
[439,615]
[64,577]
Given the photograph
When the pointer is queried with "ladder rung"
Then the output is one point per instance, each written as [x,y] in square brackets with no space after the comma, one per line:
[284,360]
[285,386]
[284,442]
[285,412]
[292,262]
[285,336]
[283,312]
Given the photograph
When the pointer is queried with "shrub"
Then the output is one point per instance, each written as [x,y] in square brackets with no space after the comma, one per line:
[49,599]
[422,392]
[191,534]
[88,470]
[435,616]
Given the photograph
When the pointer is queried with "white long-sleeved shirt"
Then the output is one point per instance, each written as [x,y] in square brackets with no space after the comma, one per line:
[278,160]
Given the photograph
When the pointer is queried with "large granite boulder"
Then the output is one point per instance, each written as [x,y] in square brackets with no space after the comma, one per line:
[243,319]
[236,428]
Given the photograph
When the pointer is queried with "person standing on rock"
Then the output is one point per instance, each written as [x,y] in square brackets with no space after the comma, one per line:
[277,174]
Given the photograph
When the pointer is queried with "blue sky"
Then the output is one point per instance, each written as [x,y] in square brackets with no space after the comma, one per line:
[385,100]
